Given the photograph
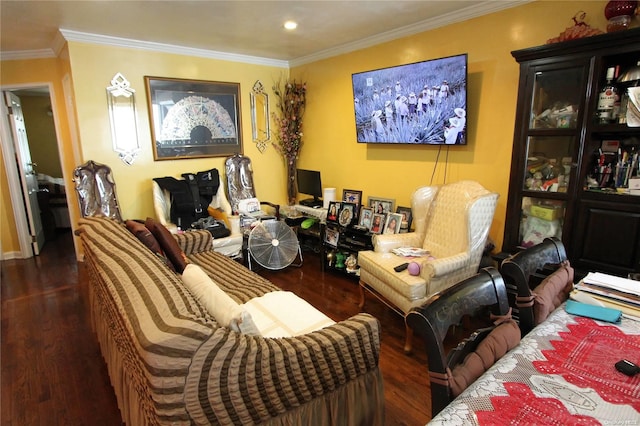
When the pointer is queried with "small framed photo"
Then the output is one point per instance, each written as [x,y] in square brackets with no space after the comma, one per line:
[392,226]
[406,218]
[347,214]
[333,210]
[381,205]
[331,236]
[377,223]
[352,196]
[366,218]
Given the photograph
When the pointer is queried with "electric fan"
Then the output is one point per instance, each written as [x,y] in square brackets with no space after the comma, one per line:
[273,244]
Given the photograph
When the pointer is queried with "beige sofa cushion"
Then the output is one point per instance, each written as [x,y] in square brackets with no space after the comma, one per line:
[283,314]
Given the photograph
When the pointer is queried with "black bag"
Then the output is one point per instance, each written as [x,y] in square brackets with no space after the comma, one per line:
[217,228]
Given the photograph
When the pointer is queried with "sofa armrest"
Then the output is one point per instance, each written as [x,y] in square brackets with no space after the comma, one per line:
[385,243]
[443,266]
[242,379]
[195,241]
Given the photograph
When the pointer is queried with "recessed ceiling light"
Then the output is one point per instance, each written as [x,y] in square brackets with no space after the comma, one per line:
[291,25]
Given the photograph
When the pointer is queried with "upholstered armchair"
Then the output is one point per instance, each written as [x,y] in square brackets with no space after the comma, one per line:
[229,246]
[452,222]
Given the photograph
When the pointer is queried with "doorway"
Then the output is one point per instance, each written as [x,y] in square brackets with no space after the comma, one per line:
[44,149]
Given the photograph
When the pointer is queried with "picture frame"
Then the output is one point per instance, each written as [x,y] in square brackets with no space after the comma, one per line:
[381,205]
[331,236]
[366,218]
[406,217]
[352,196]
[392,224]
[193,118]
[332,211]
[347,214]
[377,223]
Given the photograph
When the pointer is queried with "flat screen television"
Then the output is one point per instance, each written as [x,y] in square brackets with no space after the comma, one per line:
[309,183]
[423,103]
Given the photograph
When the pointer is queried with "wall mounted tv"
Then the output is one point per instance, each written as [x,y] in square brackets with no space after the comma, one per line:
[424,103]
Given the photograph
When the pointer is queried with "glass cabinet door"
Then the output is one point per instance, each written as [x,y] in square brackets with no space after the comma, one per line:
[556,97]
[549,160]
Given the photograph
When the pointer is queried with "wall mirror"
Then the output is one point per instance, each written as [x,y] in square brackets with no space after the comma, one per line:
[122,114]
[260,127]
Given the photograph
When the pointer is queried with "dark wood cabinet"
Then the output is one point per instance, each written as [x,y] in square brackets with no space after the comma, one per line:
[569,170]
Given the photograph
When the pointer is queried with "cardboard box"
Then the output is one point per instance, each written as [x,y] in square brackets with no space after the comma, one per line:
[546,212]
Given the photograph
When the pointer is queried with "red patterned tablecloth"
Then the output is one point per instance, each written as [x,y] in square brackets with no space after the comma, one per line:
[562,373]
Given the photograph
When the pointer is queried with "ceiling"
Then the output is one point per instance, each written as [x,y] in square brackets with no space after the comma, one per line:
[236,27]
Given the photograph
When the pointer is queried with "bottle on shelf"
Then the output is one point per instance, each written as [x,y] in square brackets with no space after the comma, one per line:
[607,99]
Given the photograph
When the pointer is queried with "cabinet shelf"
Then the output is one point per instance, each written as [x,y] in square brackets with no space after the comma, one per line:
[600,228]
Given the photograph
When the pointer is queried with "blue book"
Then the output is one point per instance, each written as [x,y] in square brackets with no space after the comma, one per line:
[592,311]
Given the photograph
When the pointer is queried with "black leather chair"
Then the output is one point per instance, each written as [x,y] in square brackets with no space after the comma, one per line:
[524,271]
[482,293]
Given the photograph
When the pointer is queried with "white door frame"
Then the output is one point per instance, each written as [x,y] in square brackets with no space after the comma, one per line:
[8,154]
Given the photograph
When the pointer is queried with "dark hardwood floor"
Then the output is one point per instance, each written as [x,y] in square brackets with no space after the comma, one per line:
[53,373]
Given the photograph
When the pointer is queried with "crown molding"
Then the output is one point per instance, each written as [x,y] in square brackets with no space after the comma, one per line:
[27,54]
[470,12]
[82,37]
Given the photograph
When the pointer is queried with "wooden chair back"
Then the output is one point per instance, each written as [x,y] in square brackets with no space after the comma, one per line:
[483,291]
[524,270]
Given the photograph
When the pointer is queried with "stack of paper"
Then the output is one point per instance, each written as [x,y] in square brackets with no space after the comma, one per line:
[410,251]
[612,291]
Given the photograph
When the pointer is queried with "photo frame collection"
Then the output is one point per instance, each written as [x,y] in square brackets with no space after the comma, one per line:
[378,216]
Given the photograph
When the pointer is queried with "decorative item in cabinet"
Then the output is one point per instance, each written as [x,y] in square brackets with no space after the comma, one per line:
[556,96]
[540,219]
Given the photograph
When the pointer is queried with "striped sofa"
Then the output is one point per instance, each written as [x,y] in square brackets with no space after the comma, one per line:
[171,364]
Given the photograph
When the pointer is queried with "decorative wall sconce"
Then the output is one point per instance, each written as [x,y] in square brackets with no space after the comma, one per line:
[260,125]
[122,112]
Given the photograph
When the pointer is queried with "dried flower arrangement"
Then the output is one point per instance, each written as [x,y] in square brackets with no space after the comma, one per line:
[291,96]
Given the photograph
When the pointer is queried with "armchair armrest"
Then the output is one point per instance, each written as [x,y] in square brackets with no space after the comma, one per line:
[437,267]
[287,372]
[386,243]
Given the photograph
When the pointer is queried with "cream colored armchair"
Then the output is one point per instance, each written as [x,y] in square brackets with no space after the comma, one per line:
[452,221]
[229,246]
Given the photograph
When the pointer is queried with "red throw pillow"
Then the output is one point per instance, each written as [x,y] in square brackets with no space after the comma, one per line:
[168,243]
[144,235]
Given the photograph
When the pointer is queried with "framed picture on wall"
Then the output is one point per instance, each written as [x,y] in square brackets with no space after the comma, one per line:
[193,118]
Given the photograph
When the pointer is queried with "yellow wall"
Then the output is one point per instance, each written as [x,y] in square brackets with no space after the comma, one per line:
[94,67]
[396,171]
[329,130]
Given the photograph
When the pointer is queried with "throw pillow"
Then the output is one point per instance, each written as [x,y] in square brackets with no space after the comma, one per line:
[552,292]
[498,342]
[224,309]
[144,235]
[168,243]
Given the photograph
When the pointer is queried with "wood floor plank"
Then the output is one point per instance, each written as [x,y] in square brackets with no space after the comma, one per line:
[52,371]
